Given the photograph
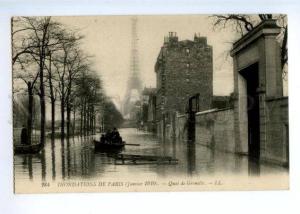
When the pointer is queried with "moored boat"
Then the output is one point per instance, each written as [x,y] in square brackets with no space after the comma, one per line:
[28,149]
[108,146]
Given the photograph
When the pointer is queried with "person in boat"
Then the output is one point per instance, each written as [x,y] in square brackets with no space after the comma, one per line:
[24,136]
[102,138]
[108,136]
[116,138]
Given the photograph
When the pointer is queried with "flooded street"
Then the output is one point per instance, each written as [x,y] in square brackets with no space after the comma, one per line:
[117,107]
[76,159]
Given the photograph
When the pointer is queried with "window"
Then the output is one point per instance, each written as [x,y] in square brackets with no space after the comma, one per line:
[187,51]
[188,65]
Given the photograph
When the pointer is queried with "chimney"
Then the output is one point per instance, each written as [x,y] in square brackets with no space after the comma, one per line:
[173,37]
[200,39]
[166,40]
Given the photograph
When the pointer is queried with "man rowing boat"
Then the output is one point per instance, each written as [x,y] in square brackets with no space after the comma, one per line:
[111,137]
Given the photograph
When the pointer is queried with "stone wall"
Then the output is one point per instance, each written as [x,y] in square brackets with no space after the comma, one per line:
[276,148]
[181,127]
[215,129]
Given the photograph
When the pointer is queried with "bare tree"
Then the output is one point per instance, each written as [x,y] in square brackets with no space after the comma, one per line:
[29,78]
[52,77]
[76,64]
[89,97]
[60,69]
[52,91]
[47,57]
[67,63]
[244,23]
[37,38]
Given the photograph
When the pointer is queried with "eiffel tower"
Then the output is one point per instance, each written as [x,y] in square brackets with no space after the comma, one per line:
[134,84]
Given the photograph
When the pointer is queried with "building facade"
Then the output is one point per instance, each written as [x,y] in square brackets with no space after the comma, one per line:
[183,69]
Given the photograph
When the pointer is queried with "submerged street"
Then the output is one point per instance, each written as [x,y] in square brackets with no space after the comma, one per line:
[80,79]
[76,159]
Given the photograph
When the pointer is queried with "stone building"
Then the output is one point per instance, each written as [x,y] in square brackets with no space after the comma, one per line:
[183,69]
[254,120]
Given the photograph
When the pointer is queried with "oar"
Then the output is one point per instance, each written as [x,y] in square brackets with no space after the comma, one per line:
[132,144]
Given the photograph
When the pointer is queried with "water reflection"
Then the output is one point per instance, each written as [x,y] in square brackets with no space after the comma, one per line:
[53,159]
[174,148]
[211,161]
[62,151]
[29,167]
[253,167]
[75,158]
[191,157]
[68,158]
[43,164]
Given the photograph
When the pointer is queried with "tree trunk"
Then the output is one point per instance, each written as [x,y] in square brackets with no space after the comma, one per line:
[92,123]
[52,100]
[92,120]
[62,120]
[69,107]
[52,118]
[30,113]
[81,120]
[74,121]
[42,98]
[89,120]
[84,119]
[95,125]
[68,117]
[62,102]
[42,86]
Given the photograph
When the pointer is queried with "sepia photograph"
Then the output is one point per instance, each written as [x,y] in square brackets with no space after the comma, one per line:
[150,103]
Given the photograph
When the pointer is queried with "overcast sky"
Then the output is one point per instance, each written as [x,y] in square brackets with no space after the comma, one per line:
[108,38]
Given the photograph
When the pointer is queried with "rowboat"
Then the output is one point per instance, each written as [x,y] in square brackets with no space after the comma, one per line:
[28,149]
[106,146]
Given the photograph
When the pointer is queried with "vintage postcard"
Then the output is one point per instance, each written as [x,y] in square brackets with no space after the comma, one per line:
[150,103]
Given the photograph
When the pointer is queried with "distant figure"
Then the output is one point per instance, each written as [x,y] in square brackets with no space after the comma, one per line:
[24,136]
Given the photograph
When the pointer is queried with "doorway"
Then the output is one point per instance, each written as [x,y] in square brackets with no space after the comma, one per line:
[252,83]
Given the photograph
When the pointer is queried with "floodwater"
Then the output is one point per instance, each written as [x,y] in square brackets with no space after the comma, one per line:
[76,159]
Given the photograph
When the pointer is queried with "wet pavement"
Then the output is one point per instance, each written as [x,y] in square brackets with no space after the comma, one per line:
[76,159]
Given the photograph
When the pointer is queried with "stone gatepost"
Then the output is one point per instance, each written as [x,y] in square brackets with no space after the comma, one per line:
[256,53]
